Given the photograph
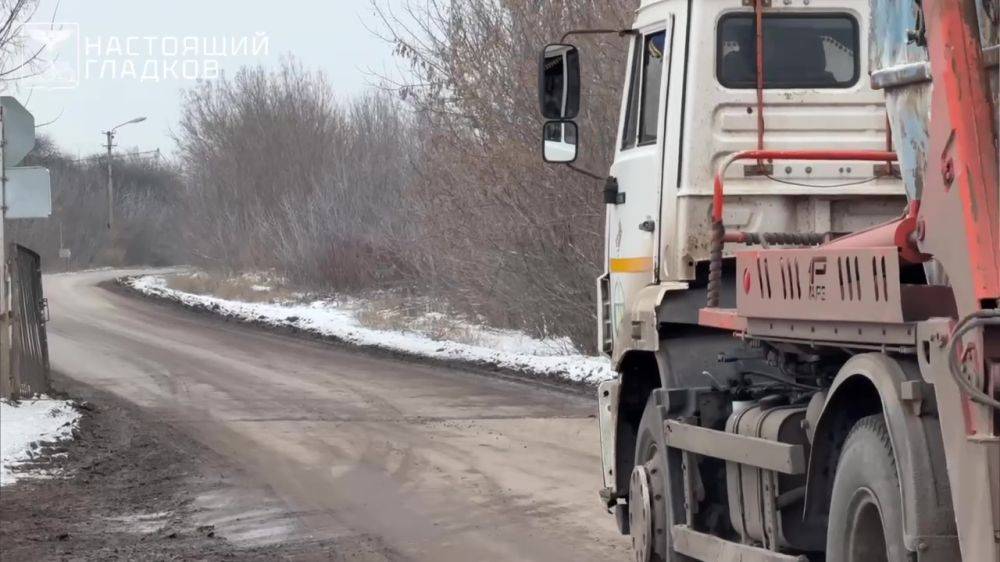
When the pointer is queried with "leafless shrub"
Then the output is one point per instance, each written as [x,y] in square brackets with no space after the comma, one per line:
[146,198]
[280,176]
[445,195]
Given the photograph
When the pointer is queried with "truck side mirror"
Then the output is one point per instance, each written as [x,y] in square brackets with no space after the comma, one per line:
[559,144]
[559,81]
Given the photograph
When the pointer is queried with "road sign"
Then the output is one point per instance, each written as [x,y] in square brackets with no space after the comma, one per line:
[18,131]
[29,193]
[65,253]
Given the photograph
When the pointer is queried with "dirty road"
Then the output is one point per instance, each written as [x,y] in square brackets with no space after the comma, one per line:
[340,447]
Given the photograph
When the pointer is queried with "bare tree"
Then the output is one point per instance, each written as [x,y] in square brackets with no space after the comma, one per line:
[15,58]
[501,233]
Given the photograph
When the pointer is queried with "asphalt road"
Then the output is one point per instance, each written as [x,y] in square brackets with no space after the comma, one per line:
[428,463]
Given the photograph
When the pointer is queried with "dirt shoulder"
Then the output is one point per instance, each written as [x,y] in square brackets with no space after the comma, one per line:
[556,383]
[128,493]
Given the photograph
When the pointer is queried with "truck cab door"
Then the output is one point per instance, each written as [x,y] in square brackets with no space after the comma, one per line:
[632,222]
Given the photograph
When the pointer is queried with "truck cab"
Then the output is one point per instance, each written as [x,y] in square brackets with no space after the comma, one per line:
[689,100]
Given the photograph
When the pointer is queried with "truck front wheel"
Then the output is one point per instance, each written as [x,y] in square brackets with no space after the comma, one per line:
[650,511]
[866,519]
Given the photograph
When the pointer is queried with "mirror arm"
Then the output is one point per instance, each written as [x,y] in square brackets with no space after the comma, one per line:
[619,32]
[585,172]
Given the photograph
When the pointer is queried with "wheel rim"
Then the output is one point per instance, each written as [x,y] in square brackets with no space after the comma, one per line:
[640,515]
[649,525]
[866,541]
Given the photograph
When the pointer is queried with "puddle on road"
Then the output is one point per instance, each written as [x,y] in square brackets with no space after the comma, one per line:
[245,519]
[142,523]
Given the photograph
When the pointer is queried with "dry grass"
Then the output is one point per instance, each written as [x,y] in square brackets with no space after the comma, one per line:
[382,310]
[245,288]
[391,311]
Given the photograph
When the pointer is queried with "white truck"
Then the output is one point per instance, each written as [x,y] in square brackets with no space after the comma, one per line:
[803,320]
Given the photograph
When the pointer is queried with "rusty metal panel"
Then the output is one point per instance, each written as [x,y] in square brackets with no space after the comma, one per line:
[834,285]
[846,285]
[722,318]
[972,460]
[30,352]
[961,205]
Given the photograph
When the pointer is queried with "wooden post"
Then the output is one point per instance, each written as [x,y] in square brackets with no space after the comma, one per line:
[7,387]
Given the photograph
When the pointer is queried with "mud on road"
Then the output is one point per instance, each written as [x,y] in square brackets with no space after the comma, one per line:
[129,489]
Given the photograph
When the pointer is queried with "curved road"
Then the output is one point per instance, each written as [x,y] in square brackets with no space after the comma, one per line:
[428,463]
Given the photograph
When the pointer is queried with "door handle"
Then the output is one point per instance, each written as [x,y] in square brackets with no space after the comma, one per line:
[612,196]
[648,225]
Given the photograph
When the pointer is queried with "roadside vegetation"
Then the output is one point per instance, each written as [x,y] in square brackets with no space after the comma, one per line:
[430,189]
[413,328]
[147,191]
[385,310]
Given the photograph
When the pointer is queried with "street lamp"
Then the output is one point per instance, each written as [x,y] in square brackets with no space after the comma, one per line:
[110,134]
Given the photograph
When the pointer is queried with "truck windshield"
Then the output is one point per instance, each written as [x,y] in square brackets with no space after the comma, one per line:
[800,51]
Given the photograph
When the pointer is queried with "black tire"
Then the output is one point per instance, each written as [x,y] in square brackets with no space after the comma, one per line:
[651,452]
[866,511]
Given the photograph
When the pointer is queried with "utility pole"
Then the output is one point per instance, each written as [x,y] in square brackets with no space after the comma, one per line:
[110,134]
[64,252]
[111,184]
[5,331]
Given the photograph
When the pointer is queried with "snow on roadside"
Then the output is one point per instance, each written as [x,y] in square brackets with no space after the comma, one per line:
[26,424]
[507,349]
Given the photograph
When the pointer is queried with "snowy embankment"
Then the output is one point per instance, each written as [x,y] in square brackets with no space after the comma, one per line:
[25,426]
[503,349]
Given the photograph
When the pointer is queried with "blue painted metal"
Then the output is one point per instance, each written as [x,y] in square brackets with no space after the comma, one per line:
[893,41]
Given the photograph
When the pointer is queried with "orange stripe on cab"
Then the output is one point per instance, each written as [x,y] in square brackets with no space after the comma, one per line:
[631,265]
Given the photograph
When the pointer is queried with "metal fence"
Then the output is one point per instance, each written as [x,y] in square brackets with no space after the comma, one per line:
[30,349]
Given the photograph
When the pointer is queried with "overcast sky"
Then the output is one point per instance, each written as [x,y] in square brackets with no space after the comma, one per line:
[114,78]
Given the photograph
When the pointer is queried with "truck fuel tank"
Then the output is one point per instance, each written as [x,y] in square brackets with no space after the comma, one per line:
[766,506]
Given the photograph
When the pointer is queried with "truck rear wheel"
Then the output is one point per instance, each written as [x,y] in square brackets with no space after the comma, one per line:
[650,512]
[866,517]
